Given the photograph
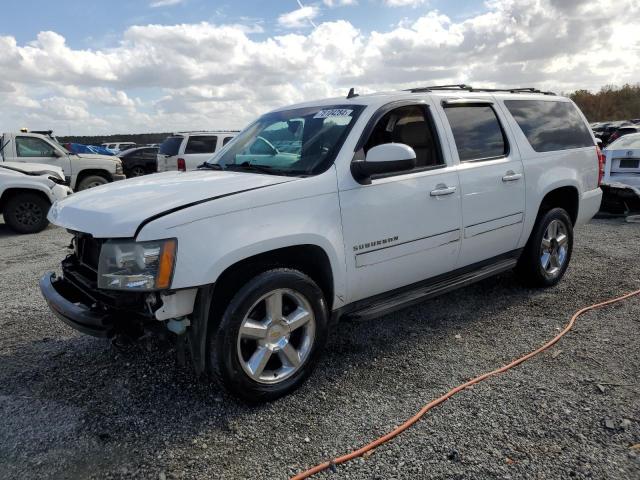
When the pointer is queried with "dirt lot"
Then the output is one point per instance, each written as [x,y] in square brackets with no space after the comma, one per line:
[72,406]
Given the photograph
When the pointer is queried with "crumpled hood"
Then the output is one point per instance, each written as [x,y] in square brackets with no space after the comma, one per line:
[117,209]
[41,168]
[97,156]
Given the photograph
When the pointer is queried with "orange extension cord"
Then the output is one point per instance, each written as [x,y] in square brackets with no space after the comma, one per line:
[398,430]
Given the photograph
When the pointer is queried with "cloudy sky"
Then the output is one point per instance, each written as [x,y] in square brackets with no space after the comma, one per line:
[131,66]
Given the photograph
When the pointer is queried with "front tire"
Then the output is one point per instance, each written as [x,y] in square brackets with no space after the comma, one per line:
[270,336]
[27,213]
[547,254]
[92,181]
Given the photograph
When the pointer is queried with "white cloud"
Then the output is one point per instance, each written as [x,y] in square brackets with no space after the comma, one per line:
[339,3]
[165,3]
[404,3]
[301,17]
[199,76]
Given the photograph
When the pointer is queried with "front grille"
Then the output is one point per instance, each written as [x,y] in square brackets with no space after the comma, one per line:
[87,250]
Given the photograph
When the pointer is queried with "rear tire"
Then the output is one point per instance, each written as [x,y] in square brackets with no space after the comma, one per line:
[92,181]
[547,254]
[270,336]
[27,213]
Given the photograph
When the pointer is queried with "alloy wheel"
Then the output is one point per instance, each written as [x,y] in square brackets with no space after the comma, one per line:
[276,336]
[554,248]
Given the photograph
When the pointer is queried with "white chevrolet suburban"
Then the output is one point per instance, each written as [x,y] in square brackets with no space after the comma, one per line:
[380,201]
[184,151]
[81,170]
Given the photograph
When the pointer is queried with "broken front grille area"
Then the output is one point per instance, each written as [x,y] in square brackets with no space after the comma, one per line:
[81,270]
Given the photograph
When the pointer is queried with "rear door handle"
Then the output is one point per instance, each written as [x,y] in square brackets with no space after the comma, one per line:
[442,189]
[511,176]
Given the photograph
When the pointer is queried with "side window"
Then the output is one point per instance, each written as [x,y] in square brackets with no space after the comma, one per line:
[409,125]
[550,125]
[477,132]
[226,140]
[33,147]
[201,144]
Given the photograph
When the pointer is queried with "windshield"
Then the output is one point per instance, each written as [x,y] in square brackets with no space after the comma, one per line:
[60,146]
[170,146]
[303,141]
[628,141]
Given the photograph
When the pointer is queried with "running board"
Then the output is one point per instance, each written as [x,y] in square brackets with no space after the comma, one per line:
[424,292]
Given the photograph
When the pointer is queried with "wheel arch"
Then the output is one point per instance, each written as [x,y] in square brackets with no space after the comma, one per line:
[566,197]
[310,259]
[13,191]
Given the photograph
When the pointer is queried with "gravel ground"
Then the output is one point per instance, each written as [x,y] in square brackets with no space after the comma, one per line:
[72,406]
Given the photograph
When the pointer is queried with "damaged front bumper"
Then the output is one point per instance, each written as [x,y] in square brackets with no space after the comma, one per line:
[620,197]
[73,307]
[76,299]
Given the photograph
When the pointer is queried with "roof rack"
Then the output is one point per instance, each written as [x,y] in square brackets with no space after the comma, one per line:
[469,88]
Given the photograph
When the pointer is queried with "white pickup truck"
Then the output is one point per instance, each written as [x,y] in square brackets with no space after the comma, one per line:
[81,171]
[377,202]
[27,191]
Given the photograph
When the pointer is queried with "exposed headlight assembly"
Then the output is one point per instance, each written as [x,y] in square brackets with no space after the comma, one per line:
[119,167]
[142,266]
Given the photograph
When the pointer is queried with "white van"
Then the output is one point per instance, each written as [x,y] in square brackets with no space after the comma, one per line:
[186,150]
[117,147]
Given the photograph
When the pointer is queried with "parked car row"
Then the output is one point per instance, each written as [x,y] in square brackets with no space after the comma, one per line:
[610,131]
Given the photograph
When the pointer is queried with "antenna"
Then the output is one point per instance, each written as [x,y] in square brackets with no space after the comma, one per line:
[352,93]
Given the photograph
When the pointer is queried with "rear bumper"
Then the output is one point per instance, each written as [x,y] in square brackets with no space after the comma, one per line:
[589,205]
[65,301]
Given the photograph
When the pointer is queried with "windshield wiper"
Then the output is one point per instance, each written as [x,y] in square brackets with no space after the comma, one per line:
[209,166]
[254,167]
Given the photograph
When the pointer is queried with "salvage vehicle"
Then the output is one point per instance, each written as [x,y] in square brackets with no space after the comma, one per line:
[621,181]
[139,161]
[187,150]
[27,191]
[81,170]
[390,199]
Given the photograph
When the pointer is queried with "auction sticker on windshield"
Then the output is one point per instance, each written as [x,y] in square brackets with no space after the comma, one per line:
[336,112]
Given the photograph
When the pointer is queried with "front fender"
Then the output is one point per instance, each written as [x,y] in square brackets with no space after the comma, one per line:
[208,246]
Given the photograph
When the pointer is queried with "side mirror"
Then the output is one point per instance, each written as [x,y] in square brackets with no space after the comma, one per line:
[57,153]
[385,158]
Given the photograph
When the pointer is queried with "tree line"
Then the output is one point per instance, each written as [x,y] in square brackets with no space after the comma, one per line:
[610,103]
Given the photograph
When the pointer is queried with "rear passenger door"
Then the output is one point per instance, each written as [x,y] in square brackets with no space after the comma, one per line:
[491,179]
[199,149]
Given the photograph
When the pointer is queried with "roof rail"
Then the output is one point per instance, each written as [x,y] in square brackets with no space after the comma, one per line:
[469,88]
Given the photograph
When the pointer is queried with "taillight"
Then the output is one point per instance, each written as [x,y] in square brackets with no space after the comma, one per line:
[601,161]
[182,166]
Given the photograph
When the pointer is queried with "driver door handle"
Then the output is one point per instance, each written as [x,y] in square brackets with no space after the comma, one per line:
[511,176]
[442,189]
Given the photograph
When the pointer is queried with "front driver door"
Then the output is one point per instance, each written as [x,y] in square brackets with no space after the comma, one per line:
[36,150]
[404,227]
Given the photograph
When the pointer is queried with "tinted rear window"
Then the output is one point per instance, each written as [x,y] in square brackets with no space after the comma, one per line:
[171,145]
[201,144]
[550,125]
[226,140]
[477,132]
